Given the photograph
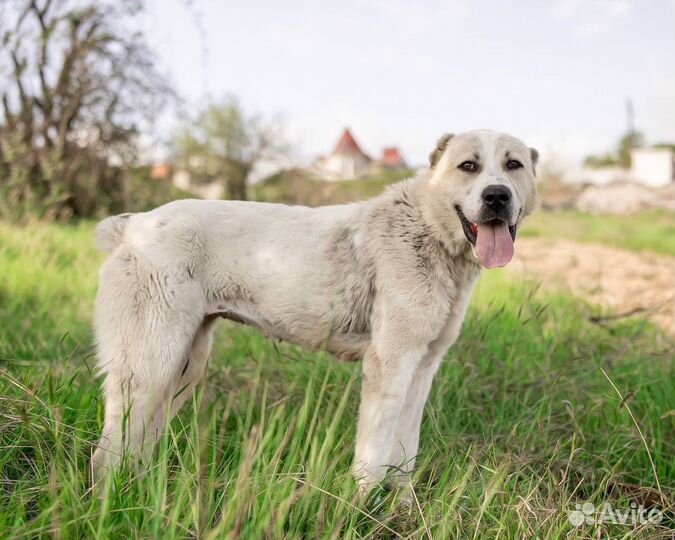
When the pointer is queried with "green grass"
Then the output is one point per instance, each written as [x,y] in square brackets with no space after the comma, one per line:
[522,424]
[644,231]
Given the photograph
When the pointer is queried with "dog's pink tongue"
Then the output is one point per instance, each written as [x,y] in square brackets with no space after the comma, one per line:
[494,245]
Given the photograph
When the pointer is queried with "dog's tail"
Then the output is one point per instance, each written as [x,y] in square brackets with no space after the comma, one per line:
[109,233]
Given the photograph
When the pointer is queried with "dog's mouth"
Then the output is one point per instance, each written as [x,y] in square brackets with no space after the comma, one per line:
[491,240]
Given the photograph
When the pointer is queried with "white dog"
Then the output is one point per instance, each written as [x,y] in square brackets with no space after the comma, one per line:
[387,280]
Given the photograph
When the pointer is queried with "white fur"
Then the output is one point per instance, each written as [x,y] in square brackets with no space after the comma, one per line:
[387,280]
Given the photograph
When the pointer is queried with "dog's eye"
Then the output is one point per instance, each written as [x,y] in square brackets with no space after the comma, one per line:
[468,166]
[513,164]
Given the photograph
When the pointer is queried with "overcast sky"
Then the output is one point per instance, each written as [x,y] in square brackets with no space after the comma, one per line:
[554,73]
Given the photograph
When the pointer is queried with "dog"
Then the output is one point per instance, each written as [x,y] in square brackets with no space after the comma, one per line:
[386,280]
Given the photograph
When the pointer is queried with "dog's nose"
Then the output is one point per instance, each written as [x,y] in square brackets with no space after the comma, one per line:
[496,196]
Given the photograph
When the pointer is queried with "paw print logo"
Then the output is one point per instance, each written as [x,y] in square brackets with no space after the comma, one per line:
[583,513]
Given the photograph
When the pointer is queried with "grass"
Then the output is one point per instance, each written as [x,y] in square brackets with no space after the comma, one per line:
[522,423]
[652,230]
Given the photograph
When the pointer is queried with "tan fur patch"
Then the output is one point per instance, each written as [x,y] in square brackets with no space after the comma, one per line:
[435,156]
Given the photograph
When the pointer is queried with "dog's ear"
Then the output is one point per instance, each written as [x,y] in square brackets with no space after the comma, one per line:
[435,156]
[534,155]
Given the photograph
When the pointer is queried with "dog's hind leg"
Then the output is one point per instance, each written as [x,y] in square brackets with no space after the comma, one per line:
[181,388]
[146,322]
[194,368]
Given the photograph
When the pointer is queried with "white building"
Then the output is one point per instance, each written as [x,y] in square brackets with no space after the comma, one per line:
[654,167]
[346,161]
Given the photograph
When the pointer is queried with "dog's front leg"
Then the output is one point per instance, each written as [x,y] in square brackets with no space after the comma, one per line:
[406,442]
[386,378]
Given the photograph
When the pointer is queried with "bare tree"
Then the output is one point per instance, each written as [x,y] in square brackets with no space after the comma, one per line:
[77,85]
[222,142]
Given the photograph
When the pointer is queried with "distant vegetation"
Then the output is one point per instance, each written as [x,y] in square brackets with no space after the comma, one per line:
[77,87]
[620,157]
[222,143]
[300,187]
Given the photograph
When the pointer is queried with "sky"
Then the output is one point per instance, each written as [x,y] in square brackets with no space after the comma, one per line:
[554,73]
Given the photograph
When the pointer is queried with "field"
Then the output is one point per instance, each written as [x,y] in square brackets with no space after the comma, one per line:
[536,409]
[645,231]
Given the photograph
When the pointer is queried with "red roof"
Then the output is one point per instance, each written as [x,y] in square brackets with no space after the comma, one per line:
[160,171]
[391,157]
[347,145]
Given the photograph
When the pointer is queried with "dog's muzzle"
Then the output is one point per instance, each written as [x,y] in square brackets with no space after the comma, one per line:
[492,236]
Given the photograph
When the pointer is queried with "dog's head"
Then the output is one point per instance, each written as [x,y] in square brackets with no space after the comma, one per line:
[481,185]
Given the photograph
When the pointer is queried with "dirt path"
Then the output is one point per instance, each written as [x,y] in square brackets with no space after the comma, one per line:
[625,281]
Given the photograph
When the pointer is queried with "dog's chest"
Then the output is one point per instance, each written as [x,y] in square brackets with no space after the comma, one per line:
[451,281]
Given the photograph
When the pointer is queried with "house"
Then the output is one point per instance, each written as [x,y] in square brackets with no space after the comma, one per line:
[654,167]
[346,161]
[183,180]
[651,167]
[161,171]
[392,159]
